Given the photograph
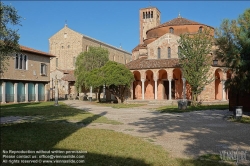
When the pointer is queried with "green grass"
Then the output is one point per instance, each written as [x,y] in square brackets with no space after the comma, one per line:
[174,109]
[104,147]
[119,105]
[244,119]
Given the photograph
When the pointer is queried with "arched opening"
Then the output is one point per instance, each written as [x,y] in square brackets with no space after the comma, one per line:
[9,92]
[162,84]
[31,92]
[137,91]
[149,85]
[20,92]
[177,87]
[41,96]
[218,85]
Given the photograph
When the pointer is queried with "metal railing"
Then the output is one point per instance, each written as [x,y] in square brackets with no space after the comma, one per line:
[9,97]
[41,97]
[21,98]
[31,97]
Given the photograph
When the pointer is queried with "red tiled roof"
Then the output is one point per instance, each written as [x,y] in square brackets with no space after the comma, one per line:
[68,75]
[139,46]
[27,49]
[144,63]
[178,21]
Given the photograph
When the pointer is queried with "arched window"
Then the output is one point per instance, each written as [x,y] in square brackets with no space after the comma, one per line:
[21,62]
[24,62]
[159,53]
[171,30]
[200,29]
[169,52]
[179,51]
[17,60]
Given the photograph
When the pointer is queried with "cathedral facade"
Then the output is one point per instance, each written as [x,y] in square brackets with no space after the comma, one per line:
[66,45]
[155,61]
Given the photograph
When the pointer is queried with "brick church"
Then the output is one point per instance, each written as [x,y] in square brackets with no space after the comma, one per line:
[155,60]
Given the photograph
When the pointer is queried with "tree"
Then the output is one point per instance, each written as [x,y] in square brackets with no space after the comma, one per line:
[8,37]
[233,43]
[116,77]
[87,61]
[195,62]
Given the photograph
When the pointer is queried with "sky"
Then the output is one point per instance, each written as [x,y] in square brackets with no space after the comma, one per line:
[113,22]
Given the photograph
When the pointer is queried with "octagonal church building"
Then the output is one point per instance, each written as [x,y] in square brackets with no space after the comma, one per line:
[155,61]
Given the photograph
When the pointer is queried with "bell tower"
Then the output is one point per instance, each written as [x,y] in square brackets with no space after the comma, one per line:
[149,18]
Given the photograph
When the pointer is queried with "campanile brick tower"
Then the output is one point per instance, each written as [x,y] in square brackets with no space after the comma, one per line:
[149,18]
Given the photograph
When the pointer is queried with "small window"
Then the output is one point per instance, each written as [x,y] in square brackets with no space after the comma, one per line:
[68,46]
[179,51]
[151,14]
[65,35]
[169,52]
[200,29]
[159,53]
[56,62]
[74,61]
[171,30]
[143,15]
[43,69]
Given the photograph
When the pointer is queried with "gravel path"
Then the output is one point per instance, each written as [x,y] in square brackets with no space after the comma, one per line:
[183,135]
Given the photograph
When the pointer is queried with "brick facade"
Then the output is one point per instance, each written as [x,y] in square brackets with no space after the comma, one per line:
[155,64]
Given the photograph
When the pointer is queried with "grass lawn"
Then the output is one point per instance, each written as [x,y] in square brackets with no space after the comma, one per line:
[174,109]
[55,131]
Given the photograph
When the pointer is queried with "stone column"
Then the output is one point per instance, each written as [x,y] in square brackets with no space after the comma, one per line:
[3,92]
[156,89]
[142,81]
[26,88]
[223,90]
[15,92]
[56,91]
[36,92]
[90,95]
[184,88]
[170,90]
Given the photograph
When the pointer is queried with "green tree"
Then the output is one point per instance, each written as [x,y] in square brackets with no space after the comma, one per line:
[116,77]
[195,60]
[87,61]
[8,37]
[233,43]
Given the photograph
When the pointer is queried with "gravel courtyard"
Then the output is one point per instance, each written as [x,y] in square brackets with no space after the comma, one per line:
[183,135]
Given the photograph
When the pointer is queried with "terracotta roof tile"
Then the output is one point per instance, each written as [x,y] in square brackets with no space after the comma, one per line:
[178,21]
[27,49]
[144,63]
[139,46]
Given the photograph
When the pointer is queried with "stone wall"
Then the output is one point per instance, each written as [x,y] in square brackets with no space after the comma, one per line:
[67,44]
[32,71]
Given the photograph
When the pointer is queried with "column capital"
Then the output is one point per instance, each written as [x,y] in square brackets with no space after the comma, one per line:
[143,79]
